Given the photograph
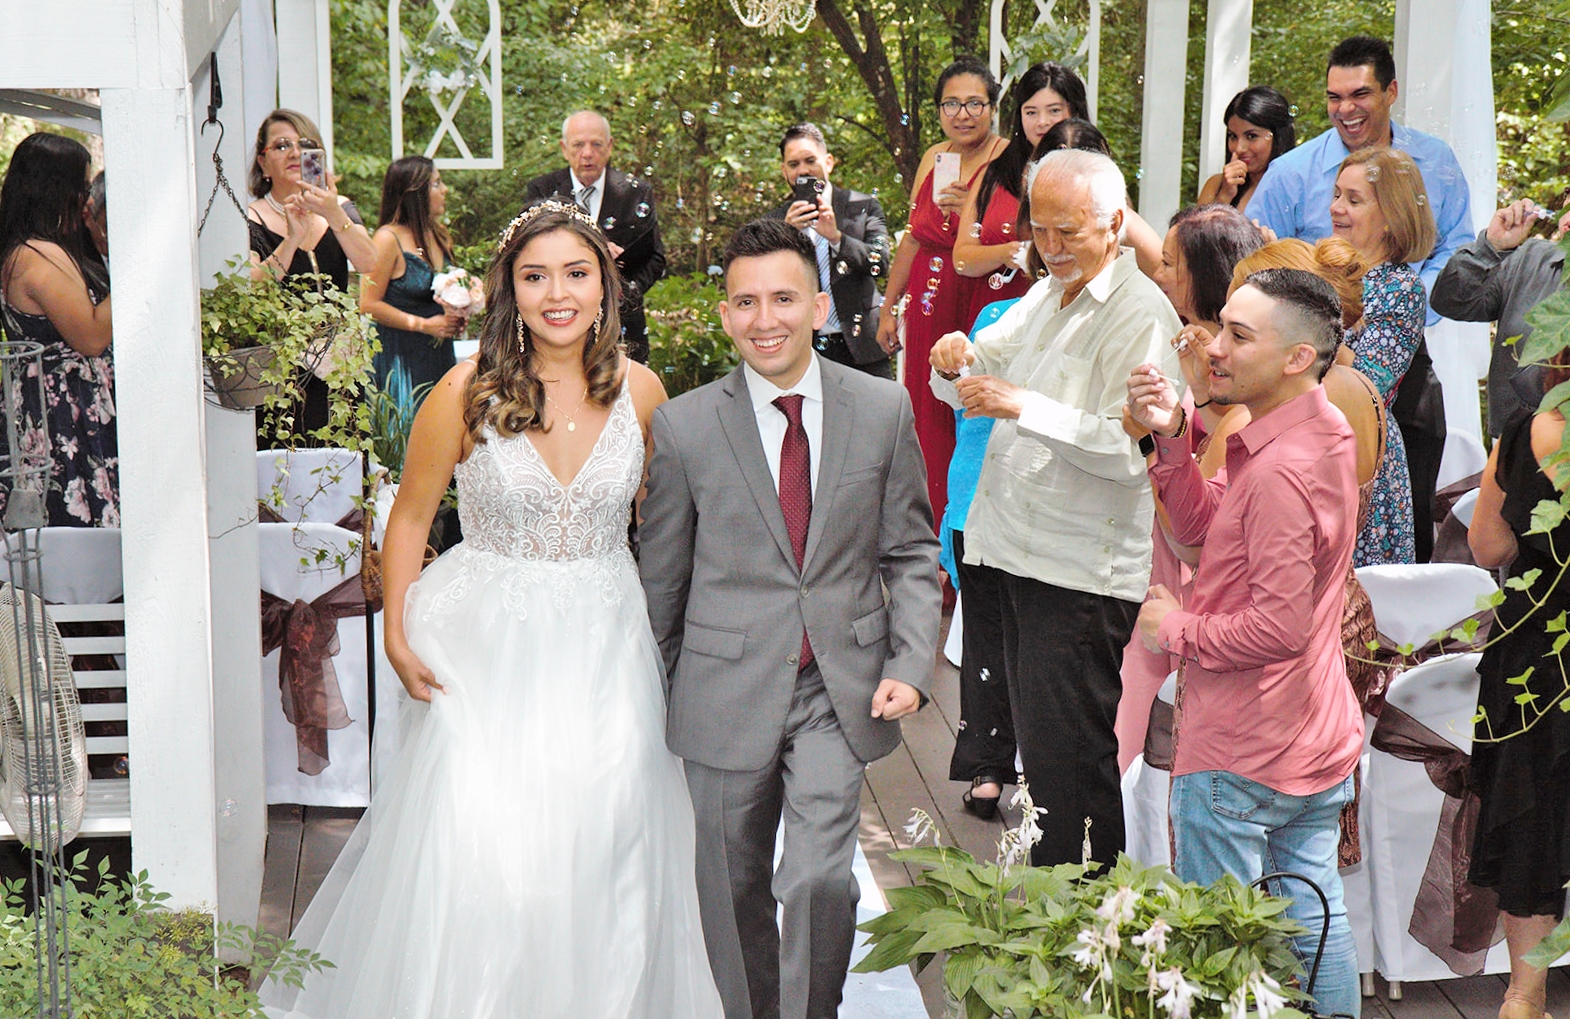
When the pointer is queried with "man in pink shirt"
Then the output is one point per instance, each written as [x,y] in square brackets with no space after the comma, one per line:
[1270,729]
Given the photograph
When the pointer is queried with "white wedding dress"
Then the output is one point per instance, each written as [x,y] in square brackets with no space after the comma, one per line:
[532,854]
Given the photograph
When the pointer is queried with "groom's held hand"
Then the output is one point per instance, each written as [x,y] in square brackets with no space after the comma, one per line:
[894,699]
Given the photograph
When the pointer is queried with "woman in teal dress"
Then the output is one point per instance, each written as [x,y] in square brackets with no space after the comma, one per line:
[412,246]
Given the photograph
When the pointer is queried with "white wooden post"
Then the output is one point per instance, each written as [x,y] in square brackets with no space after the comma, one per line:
[240,785]
[305,63]
[1228,24]
[259,53]
[1442,64]
[158,368]
[1161,119]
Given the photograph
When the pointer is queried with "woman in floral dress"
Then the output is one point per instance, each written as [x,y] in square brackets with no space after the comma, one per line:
[54,291]
[1381,207]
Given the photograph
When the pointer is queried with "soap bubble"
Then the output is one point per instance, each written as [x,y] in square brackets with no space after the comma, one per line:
[714,109]
[688,118]
[936,264]
[642,211]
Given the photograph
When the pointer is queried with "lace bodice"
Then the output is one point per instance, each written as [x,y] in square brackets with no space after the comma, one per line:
[511,505]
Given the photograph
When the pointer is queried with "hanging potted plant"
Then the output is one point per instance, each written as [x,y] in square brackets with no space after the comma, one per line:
[262,339]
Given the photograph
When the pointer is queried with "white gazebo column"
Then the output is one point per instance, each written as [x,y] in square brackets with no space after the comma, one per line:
[1442,64]
[158,369]
[305,62]
[1228,28]
[1161,120]
[240,789]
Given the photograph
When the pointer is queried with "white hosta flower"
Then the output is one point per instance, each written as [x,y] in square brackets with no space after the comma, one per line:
[1092,953]
[1180,994]
[1153,941]
[1118,907]
[920,827]
[1266,993]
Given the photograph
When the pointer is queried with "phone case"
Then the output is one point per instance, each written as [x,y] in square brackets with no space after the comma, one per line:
[945,170]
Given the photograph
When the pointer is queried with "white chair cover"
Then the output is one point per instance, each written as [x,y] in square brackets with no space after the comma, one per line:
[81,565]
[1145,798]
[1401,815]
[1464,507]
[1413,602]
[346,781]
[319,486]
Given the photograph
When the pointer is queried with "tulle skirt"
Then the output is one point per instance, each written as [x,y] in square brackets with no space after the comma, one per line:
[532,854]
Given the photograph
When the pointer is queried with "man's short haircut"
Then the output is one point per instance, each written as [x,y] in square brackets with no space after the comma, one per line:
[766,236]
[1108,192]
[1365,51]
[1213,239]
[806,129]
[1312,311]
[593,113]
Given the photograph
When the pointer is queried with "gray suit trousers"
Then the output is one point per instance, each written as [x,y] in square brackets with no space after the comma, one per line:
[765,969]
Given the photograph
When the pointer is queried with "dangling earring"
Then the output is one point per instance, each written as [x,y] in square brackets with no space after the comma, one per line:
[594,330]
[523,336]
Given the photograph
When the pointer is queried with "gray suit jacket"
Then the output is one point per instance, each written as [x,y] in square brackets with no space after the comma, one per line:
[726,601]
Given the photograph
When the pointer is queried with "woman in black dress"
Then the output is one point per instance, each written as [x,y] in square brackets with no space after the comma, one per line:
[1522,777]
[412,246]
[299,228]
[54,291]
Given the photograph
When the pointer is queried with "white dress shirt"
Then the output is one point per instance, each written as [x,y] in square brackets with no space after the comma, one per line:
[772,422]
[595,199]
[1063,497]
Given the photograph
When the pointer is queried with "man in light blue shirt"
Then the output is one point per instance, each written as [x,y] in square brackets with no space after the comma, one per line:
[1293,198]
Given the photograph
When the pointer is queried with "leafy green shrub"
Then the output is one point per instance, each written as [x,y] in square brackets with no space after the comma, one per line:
[1065,942]
[130,957]
[687,344]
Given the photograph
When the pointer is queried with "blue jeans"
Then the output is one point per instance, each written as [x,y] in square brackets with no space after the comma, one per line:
[1226,824]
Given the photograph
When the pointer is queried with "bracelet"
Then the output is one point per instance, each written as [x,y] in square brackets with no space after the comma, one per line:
[347,223]
[1202,406]
[1182,425]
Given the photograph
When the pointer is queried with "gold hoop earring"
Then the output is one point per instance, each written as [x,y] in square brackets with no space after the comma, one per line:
[523,336]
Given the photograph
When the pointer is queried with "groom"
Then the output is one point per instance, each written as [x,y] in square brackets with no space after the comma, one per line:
[791,573]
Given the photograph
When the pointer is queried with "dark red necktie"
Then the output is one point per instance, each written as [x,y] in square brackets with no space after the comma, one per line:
[796,491]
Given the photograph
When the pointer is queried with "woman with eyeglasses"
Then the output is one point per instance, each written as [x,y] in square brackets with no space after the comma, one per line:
[299,228]
[936,298]
[412,246]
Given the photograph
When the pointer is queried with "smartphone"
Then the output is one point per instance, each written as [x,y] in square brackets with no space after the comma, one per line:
[945,171]
[313,167]
[807,189]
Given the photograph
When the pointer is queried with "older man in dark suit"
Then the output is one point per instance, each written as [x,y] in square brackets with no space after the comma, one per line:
[850,238]
[623,206]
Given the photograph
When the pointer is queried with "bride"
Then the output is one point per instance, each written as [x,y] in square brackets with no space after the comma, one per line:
[532,854]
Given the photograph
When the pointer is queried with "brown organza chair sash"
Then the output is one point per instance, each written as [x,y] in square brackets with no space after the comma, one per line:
[307,633]
[1391,662]
[1451,917]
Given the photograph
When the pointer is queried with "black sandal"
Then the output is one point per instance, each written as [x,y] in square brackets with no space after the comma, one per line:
[984,807]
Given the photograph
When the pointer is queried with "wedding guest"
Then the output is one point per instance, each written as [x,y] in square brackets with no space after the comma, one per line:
[1499,278]
[54,291]
[925,291]
[1521,846]
[412,246]
[1259,128]
[98,214]
[299,228]
[1270,732]
[1380,207]
[987,242]
[1137,234]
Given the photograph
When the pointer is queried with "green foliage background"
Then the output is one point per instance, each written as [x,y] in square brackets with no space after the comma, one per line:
[697,102]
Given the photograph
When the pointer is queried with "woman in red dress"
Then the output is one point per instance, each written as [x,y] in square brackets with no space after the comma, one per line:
[936,298]
[988,241]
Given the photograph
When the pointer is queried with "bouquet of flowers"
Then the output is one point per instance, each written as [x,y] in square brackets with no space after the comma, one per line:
[458,292]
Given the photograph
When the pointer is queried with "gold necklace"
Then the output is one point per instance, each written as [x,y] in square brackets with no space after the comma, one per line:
[572,425]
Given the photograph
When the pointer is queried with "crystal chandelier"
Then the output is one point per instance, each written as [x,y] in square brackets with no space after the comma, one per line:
[773,15]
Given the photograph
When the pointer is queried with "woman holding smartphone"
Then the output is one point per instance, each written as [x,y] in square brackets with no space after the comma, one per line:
[923,270]
[299,226]
[412,246]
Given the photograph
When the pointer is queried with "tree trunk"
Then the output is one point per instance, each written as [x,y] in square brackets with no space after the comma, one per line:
[901,125]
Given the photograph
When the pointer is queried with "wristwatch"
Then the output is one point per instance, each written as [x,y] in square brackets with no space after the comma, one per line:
[1147,444]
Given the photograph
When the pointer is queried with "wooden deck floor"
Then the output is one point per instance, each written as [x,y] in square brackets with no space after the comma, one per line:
[303,842]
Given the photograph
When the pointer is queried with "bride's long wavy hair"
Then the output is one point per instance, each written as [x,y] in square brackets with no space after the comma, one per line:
[506,393]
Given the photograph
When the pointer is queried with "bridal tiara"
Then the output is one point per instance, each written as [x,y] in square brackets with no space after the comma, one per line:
[548,205]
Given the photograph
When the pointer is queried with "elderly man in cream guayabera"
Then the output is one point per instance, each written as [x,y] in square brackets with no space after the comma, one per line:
[1063,511]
